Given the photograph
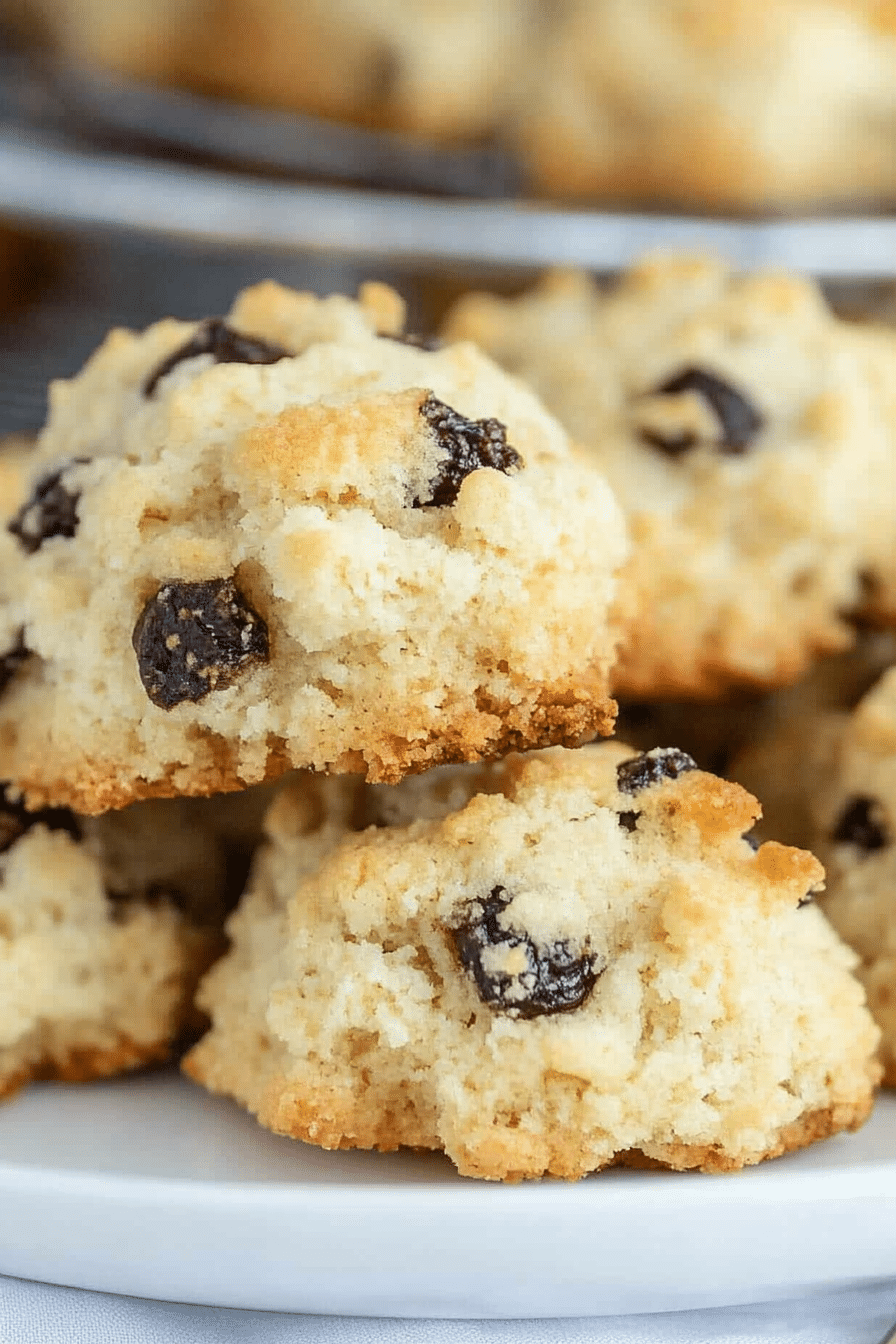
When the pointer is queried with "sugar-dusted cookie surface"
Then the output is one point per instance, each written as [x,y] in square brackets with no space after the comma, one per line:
[830,779]
[584,964]
[289,540]
[750,436]
[106,924]
[752,103]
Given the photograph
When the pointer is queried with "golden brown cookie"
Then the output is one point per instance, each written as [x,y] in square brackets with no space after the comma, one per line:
[748,434]
[293,538]
[585,964]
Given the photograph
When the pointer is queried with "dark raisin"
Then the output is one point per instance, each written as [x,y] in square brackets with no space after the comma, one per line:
[468,445]
[751,840]
[50,512]
[555,979]
[739,421]
[652,767]
[226,346]
[15,820]
[862,824]
[12,660]
[629,820]
[192,638]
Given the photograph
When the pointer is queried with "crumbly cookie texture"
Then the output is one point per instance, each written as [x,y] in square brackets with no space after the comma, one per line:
[831,780]
[586,963]
[752,104]
[749,435]
[106,924]
[293,538]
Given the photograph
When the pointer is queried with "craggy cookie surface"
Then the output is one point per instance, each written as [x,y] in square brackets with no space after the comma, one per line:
[285,539]
[750,437]
[105,926]
[830,777]
[584,964]
[750,103]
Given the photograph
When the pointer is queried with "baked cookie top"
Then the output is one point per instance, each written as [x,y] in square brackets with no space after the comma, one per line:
[751,438]
[587,962]
[295,538]
[827,777]
[753,104]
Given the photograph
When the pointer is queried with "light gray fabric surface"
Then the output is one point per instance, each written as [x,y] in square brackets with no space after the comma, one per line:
[34,1313]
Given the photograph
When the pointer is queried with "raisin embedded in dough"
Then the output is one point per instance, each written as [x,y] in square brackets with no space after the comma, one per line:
[652,767]
[469,444]
[50,512]
[12,660]
[861,824]
[502,972]
[515,975]
[193,638]
[363,635]
[787,491]
[739,421]
[226,346]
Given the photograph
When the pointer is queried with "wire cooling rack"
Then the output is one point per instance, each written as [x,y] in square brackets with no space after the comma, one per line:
[200,202]
[62,166]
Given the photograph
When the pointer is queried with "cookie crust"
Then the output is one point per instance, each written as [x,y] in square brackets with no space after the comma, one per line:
[347,1013]
[390,629]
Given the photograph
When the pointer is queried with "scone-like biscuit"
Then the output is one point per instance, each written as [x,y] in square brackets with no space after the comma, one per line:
[751,437]
[831,781]
[585,964]
[444,71]
[106,925]
[288,540]
[749,103]
[448,72]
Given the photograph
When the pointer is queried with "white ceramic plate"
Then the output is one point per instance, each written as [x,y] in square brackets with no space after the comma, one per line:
[150,1187]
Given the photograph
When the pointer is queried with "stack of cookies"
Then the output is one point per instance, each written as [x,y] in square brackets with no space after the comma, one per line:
[367,586]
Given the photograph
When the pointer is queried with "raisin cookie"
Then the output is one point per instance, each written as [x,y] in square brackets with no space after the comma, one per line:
[295,538]
[585,964]
[751,437]
[830,779]
[444,71]
[748,104]
[106,925]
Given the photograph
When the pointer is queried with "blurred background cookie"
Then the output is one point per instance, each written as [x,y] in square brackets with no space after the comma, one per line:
[749,436]
[106,925]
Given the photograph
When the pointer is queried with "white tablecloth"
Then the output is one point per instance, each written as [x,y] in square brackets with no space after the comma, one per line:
[36,1313]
